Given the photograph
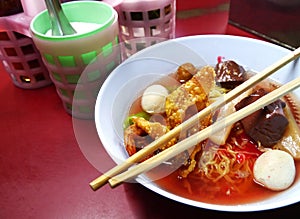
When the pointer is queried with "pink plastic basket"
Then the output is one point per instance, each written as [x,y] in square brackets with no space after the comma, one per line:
[21,59]
[144,20]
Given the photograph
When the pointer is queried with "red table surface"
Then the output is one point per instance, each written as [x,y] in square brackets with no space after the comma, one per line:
[44,174]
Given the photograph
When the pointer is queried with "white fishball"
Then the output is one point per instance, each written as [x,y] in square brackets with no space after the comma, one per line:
[275,170]
[154,98]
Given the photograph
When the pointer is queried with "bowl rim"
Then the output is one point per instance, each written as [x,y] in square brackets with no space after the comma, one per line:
[251,207]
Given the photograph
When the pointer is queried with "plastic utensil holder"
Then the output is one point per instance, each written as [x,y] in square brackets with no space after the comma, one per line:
[78,64]
[21,60]
[146,19]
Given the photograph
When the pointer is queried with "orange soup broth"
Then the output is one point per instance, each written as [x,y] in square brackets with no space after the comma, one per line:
[206,191]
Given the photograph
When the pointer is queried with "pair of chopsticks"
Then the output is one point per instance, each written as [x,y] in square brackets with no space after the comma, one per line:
[121,173]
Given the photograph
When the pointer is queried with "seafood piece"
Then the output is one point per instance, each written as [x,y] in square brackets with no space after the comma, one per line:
[192,93]
[154,98]
[143,132]
[190,165]
[206,77]
[275,170]
[185,72]
[153,129]
[134,139]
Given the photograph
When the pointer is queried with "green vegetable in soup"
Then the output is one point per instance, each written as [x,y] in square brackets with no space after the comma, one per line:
[128,120]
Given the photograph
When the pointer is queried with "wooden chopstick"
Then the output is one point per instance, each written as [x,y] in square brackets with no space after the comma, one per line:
[103,179]
[203,134]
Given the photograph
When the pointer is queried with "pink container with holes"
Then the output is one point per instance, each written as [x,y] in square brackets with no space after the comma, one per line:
[146,22]
[21,59]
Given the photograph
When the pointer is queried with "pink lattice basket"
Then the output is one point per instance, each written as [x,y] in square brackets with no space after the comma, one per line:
[21,60]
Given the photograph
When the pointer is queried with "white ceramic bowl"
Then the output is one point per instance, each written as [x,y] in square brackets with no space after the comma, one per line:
[124,84]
